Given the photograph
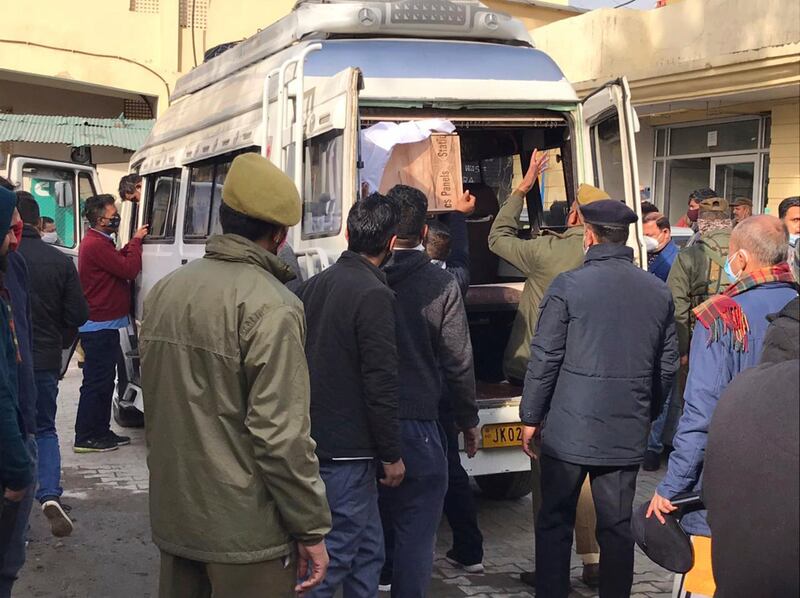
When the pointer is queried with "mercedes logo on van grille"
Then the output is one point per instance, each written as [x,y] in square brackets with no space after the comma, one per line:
[367,17]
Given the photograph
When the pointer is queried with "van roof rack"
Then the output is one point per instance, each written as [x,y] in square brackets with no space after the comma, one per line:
[325,19]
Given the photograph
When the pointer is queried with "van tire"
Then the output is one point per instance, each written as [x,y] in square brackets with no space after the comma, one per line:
[127,417]
[505,486]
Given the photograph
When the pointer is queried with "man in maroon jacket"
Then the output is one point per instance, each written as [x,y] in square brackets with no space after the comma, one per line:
[106,274]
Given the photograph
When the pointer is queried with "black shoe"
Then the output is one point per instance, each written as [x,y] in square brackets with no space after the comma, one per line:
[58,516]
[120,440]
[475,568]
[652,461]
[591,575]
[95,445]
[528,578]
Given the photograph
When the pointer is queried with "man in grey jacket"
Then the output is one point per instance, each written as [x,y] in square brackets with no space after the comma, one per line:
[432,343]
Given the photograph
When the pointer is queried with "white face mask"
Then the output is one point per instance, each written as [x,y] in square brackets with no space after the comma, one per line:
[50,238]
[651,244]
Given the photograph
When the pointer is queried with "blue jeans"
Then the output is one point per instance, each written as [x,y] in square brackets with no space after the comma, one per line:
[101,353]
[655,442]
[14,558]
[355,542]
[47,436]
[412,511]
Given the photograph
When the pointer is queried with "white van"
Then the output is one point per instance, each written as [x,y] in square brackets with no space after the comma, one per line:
[300,92]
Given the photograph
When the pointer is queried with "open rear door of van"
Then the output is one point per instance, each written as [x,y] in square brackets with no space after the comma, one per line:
[60,189]
[609,150]
[327,173]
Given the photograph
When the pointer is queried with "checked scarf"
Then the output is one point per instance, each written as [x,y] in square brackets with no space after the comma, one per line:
[722,314]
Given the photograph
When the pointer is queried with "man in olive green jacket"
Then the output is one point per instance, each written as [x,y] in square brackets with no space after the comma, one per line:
[541,259]
[235,492]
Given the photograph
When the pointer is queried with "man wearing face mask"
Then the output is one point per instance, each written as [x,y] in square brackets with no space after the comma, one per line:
[689,220]
[106,274]
[789,213]
[661,249]
[602,362]
[728,339]
[48,231]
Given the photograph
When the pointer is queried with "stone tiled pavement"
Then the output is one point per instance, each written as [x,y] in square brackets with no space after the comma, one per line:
[114,485]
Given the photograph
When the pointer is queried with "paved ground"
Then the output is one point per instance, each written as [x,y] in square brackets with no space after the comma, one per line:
[110,554]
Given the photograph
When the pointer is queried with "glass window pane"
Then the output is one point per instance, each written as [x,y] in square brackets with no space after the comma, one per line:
[607,155]
[734,180]
[767,133]
[721,137]
[556,203]
[198,203]
[683,177]
[219,181]
[658,185]
[322,201]
[661,142]
[54,191]
[162,200]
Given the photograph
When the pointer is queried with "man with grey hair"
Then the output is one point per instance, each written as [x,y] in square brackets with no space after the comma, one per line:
[728,340]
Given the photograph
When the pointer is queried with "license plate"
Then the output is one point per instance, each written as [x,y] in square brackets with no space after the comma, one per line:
[501,435]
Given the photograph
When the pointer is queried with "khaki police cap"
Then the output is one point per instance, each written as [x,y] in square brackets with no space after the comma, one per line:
[257,188]
[588,194]
[713,204]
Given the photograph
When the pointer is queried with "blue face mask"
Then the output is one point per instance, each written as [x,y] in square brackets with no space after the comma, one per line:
[729,270]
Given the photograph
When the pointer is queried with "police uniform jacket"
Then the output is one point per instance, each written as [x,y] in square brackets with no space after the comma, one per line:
[603,359]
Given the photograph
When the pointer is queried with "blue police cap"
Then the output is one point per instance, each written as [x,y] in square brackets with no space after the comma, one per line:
[608,212]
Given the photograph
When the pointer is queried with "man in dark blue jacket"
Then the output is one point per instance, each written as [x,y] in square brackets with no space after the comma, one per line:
[352,363]
[658,232]
[16,462]
[727,340]
[602,361]
[434,350]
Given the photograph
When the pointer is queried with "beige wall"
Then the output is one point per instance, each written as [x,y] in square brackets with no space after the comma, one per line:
[784,154]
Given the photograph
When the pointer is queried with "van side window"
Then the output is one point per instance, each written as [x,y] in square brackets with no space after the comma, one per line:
[85,191]
[53,189]
[161,204]
[206,179]
[322,201]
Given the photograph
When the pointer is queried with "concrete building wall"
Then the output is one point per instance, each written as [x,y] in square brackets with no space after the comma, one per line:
[784,151]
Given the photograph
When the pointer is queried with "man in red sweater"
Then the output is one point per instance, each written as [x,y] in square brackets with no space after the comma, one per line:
[106,274]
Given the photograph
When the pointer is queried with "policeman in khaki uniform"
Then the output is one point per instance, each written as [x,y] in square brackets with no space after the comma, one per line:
[541,259]
[237,505]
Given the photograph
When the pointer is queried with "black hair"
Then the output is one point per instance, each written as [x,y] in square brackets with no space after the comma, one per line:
[95,207]
[789,202]
[47,220]
[234,222]
[127,184]
[702,193]
[614,235]
[413,207]
[28,208]
[662,222]
[371,224]
[648,208]
[6,184]
[437,241]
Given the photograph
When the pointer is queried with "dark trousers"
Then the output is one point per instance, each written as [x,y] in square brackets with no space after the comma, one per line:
[613,489]
[459,504]
[101,354]
[13,557]
[355,542]
[412,511]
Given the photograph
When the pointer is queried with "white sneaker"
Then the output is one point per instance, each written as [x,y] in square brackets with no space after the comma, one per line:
[474,569]
[384,587]
[60,524]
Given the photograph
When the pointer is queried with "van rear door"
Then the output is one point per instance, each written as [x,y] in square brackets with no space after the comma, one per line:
[60,189]
[609,150]
[326,174]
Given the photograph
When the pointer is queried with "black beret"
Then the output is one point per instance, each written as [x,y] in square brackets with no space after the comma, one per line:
[702,193]
[666,545]
[608,212]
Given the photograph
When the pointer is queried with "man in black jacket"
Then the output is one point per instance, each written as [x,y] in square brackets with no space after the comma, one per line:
[602,361]
[434,350]
[352,361]
[57,306]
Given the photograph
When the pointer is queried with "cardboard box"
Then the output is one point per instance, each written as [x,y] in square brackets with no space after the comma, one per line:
[433,166]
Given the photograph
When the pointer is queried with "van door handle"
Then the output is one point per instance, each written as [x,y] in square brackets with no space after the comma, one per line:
[184,262]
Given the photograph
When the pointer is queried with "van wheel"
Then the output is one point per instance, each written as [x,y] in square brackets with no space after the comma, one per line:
[127,417]
[505,486]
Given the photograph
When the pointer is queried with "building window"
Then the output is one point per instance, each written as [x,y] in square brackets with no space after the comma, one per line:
[322,202]
[150,6]
[193,13]
[161,205]
[732,157]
